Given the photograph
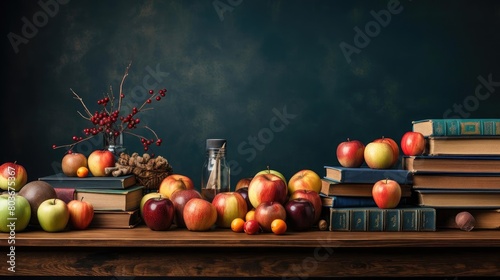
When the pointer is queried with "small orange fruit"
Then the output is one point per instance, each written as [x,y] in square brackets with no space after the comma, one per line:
[237,225]
[278,226]
[82,172]
[250,215]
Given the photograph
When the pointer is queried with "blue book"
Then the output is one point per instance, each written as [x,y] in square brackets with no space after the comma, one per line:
[377,219]
[354,201]
[367,175]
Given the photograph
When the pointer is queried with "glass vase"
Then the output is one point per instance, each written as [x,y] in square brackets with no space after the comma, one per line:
[113,143]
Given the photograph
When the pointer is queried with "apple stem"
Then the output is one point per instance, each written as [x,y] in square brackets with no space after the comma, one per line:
[55,201]
[81,198]
[268,169]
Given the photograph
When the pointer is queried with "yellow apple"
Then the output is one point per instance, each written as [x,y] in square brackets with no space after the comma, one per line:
[304,180]
[379,155]
[175,182]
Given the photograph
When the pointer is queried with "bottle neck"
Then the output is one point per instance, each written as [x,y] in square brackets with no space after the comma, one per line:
[213,153]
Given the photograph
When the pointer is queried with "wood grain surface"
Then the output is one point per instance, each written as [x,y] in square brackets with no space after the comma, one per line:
[298,255]
[144,237]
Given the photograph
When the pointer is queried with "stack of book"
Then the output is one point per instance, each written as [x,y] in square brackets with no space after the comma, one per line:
[116,200]
[460,170]
[347,198]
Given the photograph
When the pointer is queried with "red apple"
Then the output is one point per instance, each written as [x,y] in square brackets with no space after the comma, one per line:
[244,193]
[98,160]
[71,162]
[81,213]
[305,180]
[312,197]
[300,214]
[386,193]
[379,155]
[251,227]
[413,143]
[145,198]
[173,183]
[267,212]
[13,176]
[158,213]
[199,215]
[180,198]
[394,146]
[243,183]
[350,153]
[37,192]
[271,171]
[267,188]
[229,206]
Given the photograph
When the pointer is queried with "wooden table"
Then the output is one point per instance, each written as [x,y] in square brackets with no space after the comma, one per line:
[178,252]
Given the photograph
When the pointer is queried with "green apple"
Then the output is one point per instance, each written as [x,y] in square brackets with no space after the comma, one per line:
[270,171]
[379,155]
[15,212]
[53,215]
[146,197]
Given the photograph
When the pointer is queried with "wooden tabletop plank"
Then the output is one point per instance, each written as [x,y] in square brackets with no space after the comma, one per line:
[144,237]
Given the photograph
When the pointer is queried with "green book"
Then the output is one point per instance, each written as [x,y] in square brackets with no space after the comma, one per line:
[457,127]
[377,219]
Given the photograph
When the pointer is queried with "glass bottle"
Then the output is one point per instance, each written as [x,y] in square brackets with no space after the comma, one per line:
[215,174]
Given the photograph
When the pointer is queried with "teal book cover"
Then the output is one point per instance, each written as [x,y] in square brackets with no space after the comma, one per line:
[366,175]
[457,127]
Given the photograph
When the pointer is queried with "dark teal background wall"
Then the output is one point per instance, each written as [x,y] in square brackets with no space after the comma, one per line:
[283,81]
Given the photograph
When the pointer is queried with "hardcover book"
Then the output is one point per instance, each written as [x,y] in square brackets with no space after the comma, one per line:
[329,187]
[457,127]
[456,180]
[367,175]
[115,219]
[465,146]
[451,163]
[458,199]
[334,201]
[62,181]
[109,199]
[485,218]
[377,219]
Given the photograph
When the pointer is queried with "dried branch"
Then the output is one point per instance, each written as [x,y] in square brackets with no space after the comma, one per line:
[83,104]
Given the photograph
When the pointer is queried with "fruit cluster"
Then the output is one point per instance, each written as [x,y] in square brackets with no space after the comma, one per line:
[381,153]
[107,120]
[260,204]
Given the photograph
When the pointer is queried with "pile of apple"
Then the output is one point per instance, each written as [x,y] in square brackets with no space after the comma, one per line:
[36,203]
[78,165]
[381,153]
[263,203]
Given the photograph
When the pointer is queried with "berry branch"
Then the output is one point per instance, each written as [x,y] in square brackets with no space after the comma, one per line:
[108,120]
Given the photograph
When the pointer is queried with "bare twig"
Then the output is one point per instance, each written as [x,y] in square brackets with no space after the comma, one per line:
[83,104]
[121,86]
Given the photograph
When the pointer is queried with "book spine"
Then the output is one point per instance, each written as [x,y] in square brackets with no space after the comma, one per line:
[376,219]
[461,127]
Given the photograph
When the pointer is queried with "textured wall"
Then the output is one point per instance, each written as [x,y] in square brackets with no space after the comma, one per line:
[283,81]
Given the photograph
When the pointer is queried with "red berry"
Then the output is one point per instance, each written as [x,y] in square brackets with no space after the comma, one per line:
[122,95]
[54,146]
[158,98]
[148,101]
[151,91]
